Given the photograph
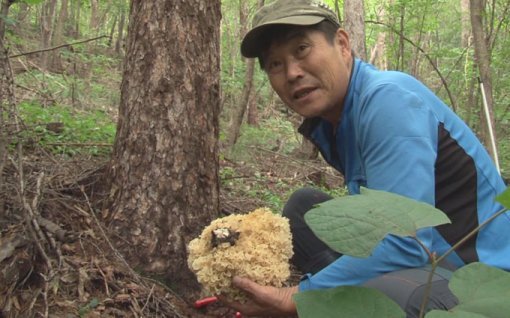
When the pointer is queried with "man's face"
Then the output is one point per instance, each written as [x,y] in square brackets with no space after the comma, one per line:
[310,74]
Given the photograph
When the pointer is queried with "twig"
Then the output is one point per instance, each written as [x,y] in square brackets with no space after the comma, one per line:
[58,47]
[148,299]
[76,144]
[435,262]
[120,257]
[443,80]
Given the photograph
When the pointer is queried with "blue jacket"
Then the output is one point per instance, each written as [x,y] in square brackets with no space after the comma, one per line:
[398,136]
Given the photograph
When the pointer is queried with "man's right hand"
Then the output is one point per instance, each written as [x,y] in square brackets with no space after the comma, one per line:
[263,300]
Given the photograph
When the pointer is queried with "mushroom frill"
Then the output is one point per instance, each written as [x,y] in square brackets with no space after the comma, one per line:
[257,245]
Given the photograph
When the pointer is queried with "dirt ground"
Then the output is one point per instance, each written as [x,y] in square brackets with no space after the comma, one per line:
[64,263]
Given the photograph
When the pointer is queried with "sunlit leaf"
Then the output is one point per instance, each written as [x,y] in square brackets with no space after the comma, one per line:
[355,224]
[504,198]
[483,291]
[32,1]
[346,302]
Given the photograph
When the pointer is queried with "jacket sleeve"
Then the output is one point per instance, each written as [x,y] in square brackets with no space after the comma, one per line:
[397,138]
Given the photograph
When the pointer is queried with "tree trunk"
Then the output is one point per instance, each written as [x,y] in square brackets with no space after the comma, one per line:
[378,54]
[465,22]
[7,101]
[354,23]
[4,13]
[94,16]
[253,110]
[239,111]
[112,31]
[120,36]
[47,18]
[482,58]
[77,16]
[56,63]
[164,167]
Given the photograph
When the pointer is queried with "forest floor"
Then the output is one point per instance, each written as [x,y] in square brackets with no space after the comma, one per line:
[65,265]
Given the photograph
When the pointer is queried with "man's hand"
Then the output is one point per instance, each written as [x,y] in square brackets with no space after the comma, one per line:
[263,300]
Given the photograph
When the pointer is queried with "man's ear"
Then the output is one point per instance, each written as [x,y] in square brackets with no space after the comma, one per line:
[342,38]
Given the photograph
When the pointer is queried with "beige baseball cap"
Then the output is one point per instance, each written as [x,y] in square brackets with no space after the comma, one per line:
[293,12]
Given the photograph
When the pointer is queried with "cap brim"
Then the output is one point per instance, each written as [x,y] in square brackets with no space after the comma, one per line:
[250,46]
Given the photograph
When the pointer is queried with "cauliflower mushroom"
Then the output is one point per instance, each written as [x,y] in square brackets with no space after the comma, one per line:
[257,245]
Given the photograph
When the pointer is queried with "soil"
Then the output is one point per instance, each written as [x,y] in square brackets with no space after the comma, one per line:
[63,263]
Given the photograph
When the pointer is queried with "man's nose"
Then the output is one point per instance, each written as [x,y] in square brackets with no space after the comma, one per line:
[293,70]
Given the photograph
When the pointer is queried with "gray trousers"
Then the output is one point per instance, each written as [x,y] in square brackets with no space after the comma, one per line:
[405,287]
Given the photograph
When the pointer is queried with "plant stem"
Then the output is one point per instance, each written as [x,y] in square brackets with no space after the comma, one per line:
[428,287]
[435,262]
[473,232]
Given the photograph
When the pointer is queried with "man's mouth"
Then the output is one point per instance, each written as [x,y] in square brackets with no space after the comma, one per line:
[303,92]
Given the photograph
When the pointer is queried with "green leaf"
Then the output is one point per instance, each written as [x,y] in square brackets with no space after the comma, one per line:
[483,291]
[504,198]
[355,224]
[32,1]
[346,302]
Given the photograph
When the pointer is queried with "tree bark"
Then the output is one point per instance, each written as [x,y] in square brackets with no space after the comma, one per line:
[378,53]
[482,58]
[240,110]
[47,18]
[94,16]
[55,61]
[465,22]
[164,166]
[120,36]
[354,23]
[4,12]
[7,101]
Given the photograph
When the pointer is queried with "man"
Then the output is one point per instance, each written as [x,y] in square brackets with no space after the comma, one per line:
[384,131]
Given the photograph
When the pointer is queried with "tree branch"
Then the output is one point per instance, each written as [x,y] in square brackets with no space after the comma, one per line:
[443,80]
[58,47]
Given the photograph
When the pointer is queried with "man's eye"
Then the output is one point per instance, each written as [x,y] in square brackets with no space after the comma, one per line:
[274,66]
[302,50]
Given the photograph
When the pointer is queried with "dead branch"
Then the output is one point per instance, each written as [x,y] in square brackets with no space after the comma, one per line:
[434,66]
[58,46]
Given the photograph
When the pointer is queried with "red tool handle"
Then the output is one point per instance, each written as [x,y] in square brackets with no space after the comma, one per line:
[205,301]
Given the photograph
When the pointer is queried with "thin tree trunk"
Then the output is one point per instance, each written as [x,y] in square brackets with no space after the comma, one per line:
[466,23]
[4,12]
[239,111]
[56,63]
[253,110]
[482,58]
[120,36]
[354,23]
[77,16]
[164,166]
[112,31]
[378,54]
[6,100]
[47,18]
[401,52]
[94,16]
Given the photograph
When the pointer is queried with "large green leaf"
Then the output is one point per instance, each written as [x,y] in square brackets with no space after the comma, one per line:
[504,198]
[355,224]
[483,291]
[346,302]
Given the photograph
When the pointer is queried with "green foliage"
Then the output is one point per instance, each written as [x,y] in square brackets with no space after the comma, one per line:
[84,310]
[369,217]
[346,302]
[504,198]
[483,291]
[272,133]
[93,127]
[31,1]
